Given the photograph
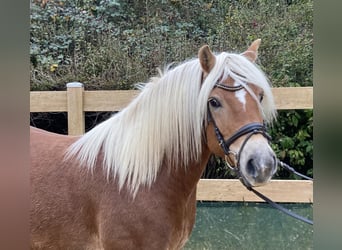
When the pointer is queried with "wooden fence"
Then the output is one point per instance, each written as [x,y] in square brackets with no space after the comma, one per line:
[76,101]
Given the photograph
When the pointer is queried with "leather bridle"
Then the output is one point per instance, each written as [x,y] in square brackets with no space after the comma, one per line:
[249,129]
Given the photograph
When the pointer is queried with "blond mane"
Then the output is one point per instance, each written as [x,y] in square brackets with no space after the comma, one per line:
[164,123]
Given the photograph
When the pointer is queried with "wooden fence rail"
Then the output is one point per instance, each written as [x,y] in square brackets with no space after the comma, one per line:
[76,101]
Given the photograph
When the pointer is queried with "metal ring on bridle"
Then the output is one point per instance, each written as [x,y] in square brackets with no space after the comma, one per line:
[227,160]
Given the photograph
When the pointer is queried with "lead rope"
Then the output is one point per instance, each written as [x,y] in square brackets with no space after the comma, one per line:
[279,207]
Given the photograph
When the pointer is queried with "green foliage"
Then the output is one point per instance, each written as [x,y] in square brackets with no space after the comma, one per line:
[287,37]
[113,44]
[292,138]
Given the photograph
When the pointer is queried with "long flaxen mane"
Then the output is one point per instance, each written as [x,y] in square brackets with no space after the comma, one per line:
[165,122]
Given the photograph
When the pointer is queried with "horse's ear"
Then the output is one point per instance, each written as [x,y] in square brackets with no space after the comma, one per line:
[206,58]
[252,52]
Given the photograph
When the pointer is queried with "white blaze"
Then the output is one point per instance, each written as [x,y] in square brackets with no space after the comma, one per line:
[241,96]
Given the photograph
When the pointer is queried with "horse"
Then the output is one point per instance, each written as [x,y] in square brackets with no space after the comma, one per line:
[130,182]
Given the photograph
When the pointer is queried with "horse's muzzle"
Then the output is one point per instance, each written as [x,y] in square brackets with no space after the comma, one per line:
[258,168]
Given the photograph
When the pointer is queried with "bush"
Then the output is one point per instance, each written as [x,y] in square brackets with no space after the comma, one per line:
[112,44]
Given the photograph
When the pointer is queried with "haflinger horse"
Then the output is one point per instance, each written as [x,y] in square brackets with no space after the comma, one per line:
[130,182]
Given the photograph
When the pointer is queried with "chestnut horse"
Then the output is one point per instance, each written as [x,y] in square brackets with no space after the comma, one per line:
[130,182]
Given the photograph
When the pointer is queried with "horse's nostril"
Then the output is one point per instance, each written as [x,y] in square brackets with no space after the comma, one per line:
[251,170]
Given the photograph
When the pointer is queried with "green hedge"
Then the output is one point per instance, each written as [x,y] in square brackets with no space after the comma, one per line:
[110,44]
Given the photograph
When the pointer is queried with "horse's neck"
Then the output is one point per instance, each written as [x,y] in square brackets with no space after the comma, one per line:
[183,180]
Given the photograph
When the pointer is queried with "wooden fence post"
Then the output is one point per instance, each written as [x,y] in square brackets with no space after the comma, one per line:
[75,108]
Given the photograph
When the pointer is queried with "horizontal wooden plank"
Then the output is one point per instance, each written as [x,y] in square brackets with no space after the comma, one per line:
[113,100]
[108,100]
[48,101]
[285,98]
[277,190]
[293,97]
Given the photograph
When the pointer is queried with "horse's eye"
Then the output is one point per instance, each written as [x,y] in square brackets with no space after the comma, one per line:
[214,103]
[261,97]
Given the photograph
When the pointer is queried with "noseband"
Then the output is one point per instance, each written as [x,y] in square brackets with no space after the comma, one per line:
[250,129]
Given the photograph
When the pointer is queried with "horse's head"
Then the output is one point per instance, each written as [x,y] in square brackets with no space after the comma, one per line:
[236,114]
